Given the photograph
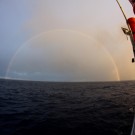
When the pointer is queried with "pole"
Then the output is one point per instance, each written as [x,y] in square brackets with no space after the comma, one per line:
[124,16]
[133,127]
[122,10]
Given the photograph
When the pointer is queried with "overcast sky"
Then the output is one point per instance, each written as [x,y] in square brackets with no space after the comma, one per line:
[65,40]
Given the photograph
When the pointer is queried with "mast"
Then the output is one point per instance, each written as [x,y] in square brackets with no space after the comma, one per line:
[122,10]
[123,14]
[129,28]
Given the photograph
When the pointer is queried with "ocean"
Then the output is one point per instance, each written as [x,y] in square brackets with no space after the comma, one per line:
[54,108]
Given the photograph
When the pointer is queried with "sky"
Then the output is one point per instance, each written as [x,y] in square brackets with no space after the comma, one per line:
[65,40]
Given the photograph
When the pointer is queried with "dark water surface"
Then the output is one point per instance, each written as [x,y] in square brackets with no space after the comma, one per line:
[41,108]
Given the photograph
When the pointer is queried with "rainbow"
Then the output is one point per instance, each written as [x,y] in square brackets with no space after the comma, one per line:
[64,30]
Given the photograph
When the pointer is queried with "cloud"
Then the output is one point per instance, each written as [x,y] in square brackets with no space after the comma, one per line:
[60,56]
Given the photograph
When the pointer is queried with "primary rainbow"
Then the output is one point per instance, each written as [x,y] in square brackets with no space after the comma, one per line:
[55,30]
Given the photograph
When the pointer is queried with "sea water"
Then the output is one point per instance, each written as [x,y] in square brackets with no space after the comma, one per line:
[51,108]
